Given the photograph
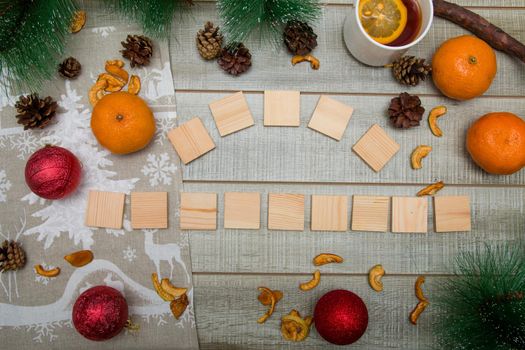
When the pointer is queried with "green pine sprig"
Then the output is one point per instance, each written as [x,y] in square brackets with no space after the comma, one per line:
[155,16]
[483,306]
[241,18]
[32,38]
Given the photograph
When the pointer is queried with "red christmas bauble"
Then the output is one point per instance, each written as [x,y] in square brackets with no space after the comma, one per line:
[100,313]
[341,317]
[53,172]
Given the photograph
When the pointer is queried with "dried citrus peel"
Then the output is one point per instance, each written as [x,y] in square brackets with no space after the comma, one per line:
[418,154]
[314,62]
[423,301]
[326,258]
[433,116]
[294,327]
[169,288]
[79,258]
[273,301]
[374,277]
[160,291]
[432,189]
[78,21]
[39,269]
[134,85]
[179,305]
[312,283]
[266,298]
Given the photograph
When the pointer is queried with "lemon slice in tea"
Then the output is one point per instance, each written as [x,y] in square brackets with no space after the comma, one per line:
[383,20]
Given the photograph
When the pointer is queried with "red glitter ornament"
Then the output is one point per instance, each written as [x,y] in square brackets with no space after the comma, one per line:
[53,172]
[100,313]
[341,317]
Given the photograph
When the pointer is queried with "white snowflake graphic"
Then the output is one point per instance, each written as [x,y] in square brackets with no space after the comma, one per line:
[72,131]
[129,254]
[26,143]
[42,279]
[165,122]
[104,31]
[159,169]
[5,185]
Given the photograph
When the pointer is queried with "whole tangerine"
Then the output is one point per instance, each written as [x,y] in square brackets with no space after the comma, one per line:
[122,122]
[496,142]
[464,67]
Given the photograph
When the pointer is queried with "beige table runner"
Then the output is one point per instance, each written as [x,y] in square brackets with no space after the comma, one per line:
[35,312]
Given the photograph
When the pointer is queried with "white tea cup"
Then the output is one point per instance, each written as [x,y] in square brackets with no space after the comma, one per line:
[369,51]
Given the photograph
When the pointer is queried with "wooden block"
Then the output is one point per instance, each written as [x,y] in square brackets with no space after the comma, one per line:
[105,209]
[149,210]
[282,108]
[242,210]
[370,213]
[198,211]
[329,213]
[286,212]
[409,214]
[330,117]
[452,213]
[231,113]
[191,140]
[376,148]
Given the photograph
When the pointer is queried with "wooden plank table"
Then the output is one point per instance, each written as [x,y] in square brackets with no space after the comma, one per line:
[229,265]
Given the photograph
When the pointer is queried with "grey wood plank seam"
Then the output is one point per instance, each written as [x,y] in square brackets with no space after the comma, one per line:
[331,274]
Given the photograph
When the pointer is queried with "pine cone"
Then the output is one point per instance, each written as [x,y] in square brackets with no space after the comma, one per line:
[236,59]
[409,70]
[405,111]
[299,37]
[209,41]
[34,112]
[69,68]
[12,256]
[138,49]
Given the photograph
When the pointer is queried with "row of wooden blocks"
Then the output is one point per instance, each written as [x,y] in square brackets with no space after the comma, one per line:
[281,108]
[242,210]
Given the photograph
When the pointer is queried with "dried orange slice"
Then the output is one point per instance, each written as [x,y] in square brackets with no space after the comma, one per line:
[383,20]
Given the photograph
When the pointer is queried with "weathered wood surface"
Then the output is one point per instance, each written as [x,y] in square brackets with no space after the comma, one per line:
[229,265]
[302,155]
[339,72]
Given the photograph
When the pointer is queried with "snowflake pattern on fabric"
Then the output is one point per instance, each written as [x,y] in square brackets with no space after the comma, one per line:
[159,169]
[104,31]
[5,185]
[42,279]
[129,254]
[165,122]
[27,142]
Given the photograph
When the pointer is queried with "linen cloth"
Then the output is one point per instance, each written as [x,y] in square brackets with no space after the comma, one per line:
[35,312]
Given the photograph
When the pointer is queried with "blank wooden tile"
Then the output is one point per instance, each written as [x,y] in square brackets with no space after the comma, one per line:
[329,213]
[191,140]
[282,108]
[370,213]
[105,209]
[330,117]
[452,213]
[376,148]
[198,211]
[231,113]
[409,214]
[242,210]
[286,211]
[149,210]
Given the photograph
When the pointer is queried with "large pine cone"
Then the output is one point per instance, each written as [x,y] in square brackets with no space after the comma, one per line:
[12,256]
[34,112]
[69,68]
[409,70]
[138,49]
[209,41]
[299,38]
[405,111]
[235,59]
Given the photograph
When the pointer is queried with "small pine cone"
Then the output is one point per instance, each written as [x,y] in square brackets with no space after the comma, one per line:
[235,59]
[209,41]
[405,111]
[12,256]
[34,112]
[299,38]
[409,70]
[138,49]
[69,68]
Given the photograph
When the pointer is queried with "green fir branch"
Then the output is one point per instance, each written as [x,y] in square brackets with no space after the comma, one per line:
[483,306]
[155,16]
[32,38]
[241,18]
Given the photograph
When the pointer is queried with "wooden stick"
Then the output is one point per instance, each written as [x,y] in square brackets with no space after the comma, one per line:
[479,26]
